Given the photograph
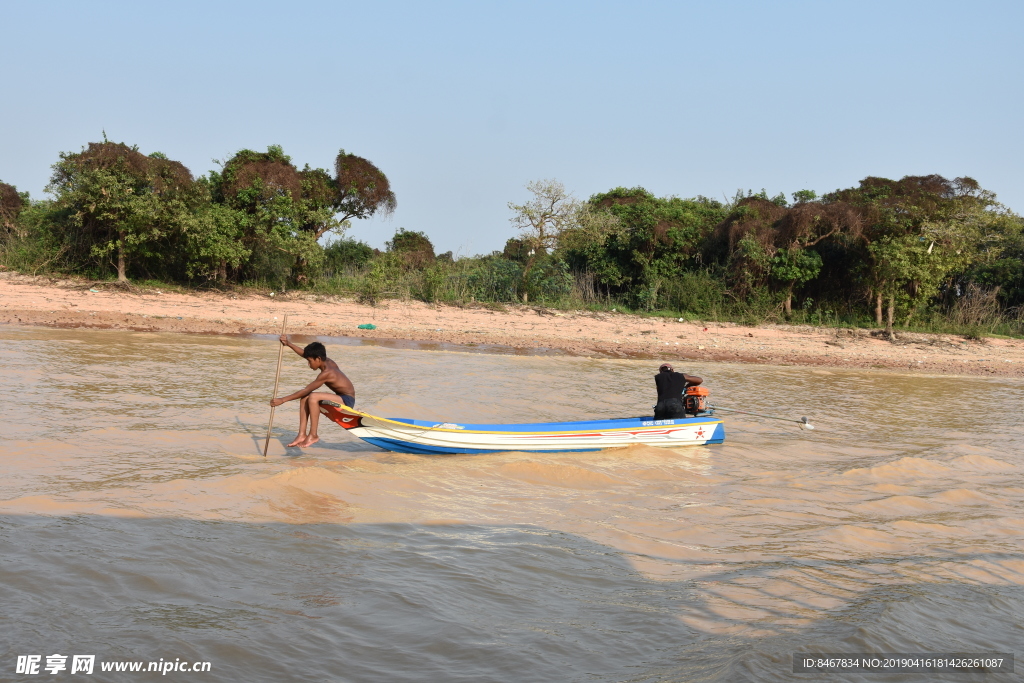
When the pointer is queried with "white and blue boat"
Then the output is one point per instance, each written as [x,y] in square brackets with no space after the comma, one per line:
[443,438]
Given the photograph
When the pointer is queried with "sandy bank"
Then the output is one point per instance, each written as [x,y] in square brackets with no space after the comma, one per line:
[28,300]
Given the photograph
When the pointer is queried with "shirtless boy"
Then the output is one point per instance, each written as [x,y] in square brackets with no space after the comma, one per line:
[330,376]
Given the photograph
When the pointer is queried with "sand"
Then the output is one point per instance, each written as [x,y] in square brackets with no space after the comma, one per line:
[69,303]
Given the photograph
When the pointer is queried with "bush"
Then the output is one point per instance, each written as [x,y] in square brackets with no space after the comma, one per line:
[34,247]
[694,294]
[345,254]
[416,249]
[495,279]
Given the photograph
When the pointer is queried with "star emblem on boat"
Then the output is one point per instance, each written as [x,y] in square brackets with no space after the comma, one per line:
[700,432]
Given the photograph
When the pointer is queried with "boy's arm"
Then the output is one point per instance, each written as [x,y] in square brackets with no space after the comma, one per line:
[692,380]
[293,347]
[309,389]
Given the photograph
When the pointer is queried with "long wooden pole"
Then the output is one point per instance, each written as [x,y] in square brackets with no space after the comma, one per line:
[277,380]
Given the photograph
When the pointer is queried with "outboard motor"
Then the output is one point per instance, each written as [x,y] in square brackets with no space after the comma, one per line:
[695,401]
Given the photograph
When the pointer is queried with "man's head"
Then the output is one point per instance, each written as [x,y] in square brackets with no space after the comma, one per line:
[665,367]
[315,354]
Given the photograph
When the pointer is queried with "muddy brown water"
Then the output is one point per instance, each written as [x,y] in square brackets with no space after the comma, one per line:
[139,522]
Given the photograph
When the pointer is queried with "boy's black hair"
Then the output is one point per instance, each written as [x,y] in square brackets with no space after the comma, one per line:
[315,350]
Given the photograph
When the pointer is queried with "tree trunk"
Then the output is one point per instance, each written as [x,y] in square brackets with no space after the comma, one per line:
[526,277]
[888,317]
[122,267]
[787,305]
[878,309]
[222,272]
[299,271]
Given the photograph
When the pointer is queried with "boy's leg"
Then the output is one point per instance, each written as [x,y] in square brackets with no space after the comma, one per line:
[301,436]
[312,403]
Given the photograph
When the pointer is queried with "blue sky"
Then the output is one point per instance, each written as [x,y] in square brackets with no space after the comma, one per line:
[462,103]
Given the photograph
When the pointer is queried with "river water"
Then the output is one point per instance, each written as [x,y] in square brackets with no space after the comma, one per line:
[138,520]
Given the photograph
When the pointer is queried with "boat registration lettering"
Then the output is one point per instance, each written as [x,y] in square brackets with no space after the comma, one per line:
[656,423]
[447,425]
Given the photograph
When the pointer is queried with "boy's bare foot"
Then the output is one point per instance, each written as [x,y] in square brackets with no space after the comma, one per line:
[310,440]
[298,441]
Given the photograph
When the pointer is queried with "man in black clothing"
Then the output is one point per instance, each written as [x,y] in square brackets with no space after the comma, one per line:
[671,386]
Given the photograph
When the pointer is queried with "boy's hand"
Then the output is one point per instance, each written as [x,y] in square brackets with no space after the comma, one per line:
[284,339]
[275,402]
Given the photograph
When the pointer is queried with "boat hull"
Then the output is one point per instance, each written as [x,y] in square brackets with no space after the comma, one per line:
[434,438]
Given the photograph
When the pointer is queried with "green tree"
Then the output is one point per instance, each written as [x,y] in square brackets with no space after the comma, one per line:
[541,221]
[211,237]
[362,189]
[318,205]
[358,190]
[346,253]
[794,267]
[281,210]
[768,242]
[636,243]
[120,203]
[801,196]
[12,203]
[414,248]
[999,263]
[916,233]
[263,190]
